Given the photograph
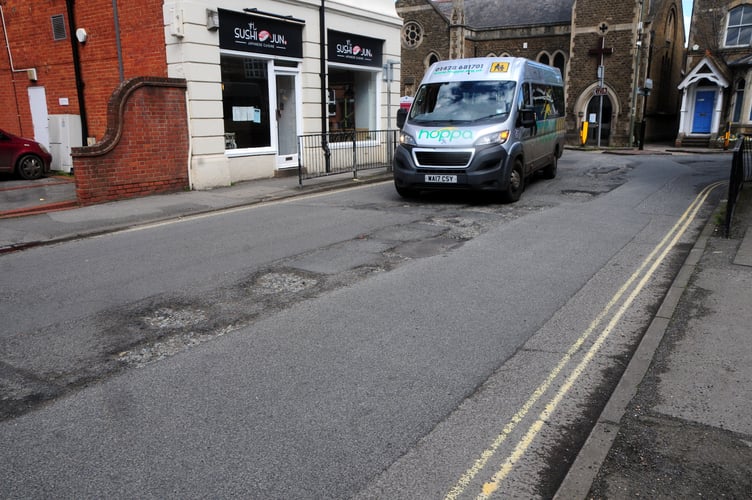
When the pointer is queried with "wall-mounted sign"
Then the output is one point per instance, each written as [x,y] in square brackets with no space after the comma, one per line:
[354,49]
[262,35]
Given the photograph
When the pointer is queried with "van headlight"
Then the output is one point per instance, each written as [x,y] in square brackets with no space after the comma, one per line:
[407,139]
[495,138]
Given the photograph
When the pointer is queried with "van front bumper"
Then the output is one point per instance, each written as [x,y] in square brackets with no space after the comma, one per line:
[485,171]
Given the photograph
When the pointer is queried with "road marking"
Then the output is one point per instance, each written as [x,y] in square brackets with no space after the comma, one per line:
[676,232]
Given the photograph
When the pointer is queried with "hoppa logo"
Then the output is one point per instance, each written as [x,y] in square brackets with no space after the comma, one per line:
[445,135]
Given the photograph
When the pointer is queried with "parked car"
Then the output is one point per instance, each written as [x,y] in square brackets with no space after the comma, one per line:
[27,158]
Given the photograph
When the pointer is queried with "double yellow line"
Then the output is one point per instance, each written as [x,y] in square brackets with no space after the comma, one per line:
[642,275]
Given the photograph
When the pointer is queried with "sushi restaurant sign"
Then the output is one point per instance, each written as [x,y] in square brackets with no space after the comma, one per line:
[354,49]
[261,35]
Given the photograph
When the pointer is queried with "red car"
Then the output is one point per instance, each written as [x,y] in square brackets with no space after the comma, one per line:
[29,159]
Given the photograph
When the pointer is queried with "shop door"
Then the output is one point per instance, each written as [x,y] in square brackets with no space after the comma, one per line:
[703,111]
[287,122]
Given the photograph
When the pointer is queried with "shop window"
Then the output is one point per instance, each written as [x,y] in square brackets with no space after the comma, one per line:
[739,31]
[245,102]
[352,105]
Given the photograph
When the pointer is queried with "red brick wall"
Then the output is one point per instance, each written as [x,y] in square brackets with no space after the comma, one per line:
[29,31]
[142,45]
[145,147]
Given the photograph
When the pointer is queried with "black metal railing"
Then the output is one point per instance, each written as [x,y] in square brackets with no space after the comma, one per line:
[741,172]
[344,151]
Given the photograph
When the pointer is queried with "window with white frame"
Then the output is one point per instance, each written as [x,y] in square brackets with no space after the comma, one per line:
[739,29]
[353,101]
[245,98]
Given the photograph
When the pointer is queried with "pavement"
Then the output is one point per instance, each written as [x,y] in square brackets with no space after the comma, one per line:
[679,422]
[45,211]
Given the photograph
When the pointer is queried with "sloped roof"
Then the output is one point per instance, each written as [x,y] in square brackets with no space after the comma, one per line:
[744,61]
[483,14]
[709,68]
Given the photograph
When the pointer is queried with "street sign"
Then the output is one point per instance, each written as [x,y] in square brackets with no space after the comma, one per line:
[600,91]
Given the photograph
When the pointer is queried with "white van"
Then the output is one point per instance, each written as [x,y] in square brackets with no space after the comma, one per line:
[484,124]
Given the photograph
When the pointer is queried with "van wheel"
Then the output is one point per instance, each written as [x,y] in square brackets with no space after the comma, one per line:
[515,184]
[550,171]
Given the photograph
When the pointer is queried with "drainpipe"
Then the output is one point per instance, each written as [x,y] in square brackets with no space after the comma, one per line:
[13,70]
[324,93]
[77,71]
[116,21]
[636,62]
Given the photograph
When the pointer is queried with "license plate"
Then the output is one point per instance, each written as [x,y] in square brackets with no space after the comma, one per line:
[442,179]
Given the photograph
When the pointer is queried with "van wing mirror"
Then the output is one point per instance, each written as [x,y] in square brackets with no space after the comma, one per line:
[527,116]
[401,117]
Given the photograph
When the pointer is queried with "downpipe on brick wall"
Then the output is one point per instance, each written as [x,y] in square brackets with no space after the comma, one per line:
[70,4]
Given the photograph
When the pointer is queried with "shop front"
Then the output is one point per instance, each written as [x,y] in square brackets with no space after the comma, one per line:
[260,59]
[255,80]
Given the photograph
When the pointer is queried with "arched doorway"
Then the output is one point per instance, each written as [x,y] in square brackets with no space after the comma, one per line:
[593,109]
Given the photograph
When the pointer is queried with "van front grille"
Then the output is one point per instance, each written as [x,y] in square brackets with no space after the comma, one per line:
[443,159]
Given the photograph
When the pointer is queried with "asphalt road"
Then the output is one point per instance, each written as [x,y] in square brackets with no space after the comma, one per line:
[340,345]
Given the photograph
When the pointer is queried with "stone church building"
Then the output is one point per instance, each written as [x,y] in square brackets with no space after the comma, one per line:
[621,60]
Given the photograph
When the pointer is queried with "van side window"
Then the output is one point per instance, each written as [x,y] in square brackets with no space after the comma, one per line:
[548,101]
[524,95]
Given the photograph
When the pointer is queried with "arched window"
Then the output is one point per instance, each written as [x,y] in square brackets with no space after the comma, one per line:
[739,28]
[560,62]
[543,58]
[432,58]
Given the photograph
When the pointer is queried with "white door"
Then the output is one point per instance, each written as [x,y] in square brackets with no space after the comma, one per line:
[39,116]
[287,121]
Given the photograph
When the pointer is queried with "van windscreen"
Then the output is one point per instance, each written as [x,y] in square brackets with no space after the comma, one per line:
[463,101]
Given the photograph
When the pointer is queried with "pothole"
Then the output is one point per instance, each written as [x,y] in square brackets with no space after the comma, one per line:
[602,171]
[578,193]
[459,228]
[168,318]
[275,282]
[168,347]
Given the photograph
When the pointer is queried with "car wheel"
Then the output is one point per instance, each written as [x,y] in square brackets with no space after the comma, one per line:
[515,184]
[405,192]
[550,171]
[30,167]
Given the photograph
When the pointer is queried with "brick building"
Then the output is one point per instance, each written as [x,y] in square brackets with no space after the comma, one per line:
[640,44]
[51,83]
[717,88]
[251,77]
